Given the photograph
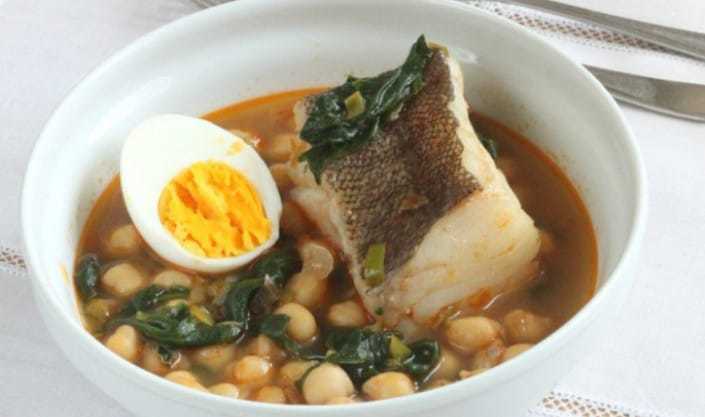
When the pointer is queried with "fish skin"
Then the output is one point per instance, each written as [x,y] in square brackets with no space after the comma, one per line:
[423,176]
[390,184]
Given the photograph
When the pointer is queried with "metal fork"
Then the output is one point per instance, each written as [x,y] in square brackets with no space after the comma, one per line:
[673,98]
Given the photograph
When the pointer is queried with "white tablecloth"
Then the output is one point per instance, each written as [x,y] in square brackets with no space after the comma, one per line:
[651,362]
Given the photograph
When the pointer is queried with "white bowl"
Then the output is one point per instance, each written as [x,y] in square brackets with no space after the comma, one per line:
[253,47]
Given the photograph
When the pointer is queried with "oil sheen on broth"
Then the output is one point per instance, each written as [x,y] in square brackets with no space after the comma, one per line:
[566,282]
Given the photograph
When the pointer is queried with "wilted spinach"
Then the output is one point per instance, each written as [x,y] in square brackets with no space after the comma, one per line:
[258,289]
[349,115]
[274,327]
[423,359]
[174,326]
[88,276]
[362,353]
[490,145]
[150,297]
[167,355]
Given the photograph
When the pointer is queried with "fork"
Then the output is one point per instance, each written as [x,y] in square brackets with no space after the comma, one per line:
[673,98]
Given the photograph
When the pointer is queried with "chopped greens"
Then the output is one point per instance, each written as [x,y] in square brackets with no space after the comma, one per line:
[397,349]
[88,276]
[150,297]
[490,145]
[274,327]
[181,325]
[167,355]
[364,353]
[423,359]
[257,291]
[349,115]
[373,271]
[175,326]
[354,105]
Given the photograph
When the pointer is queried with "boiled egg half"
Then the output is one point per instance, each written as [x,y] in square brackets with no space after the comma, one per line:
[201,197]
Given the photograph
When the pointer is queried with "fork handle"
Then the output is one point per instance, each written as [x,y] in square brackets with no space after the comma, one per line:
[683,41]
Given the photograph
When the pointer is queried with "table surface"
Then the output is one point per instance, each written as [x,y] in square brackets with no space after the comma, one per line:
[651,362]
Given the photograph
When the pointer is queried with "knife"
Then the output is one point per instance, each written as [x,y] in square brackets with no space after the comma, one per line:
[685,100]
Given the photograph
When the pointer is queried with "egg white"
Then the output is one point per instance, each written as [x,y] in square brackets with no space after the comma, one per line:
[163,146]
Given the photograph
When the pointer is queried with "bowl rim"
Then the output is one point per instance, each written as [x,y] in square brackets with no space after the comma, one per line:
[448,394]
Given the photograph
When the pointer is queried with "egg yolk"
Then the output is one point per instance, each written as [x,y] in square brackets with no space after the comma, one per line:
[213,211]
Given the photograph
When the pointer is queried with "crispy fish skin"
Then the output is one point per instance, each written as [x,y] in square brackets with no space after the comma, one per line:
[418,186]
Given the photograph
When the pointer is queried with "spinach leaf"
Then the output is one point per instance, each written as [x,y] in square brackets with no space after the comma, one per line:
[274,327]
[423,359]
[175,326]
[345,117]
[238,299]
[150,297]
[88,276]
[262,283]
[167,355]
[278,265]
[490,145]
[362,353]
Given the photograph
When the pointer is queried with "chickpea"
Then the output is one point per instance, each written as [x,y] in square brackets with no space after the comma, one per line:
[388,385]
[152,362]
[347,314]
[197,295]
[252,370]
[293,221]
[271,394]
[525,327]
[325,382]
[317,259]
[214,357]
[225,389]
[309,286]
[278,148]
[448,365]
[183,363]
[470,334]
[123,241]
[264,347]
[468,374]
[99,310]
[340,401]
[186,379]
[548,242]
[292,371]
[280,173]
[489,356]
[125,342]
[302,325]
[122,280]
[515,350]
[172,278]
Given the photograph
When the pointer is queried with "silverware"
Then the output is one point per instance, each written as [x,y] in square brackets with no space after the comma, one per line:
[674,98]
[683,41]
[209,3]
[669,97]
